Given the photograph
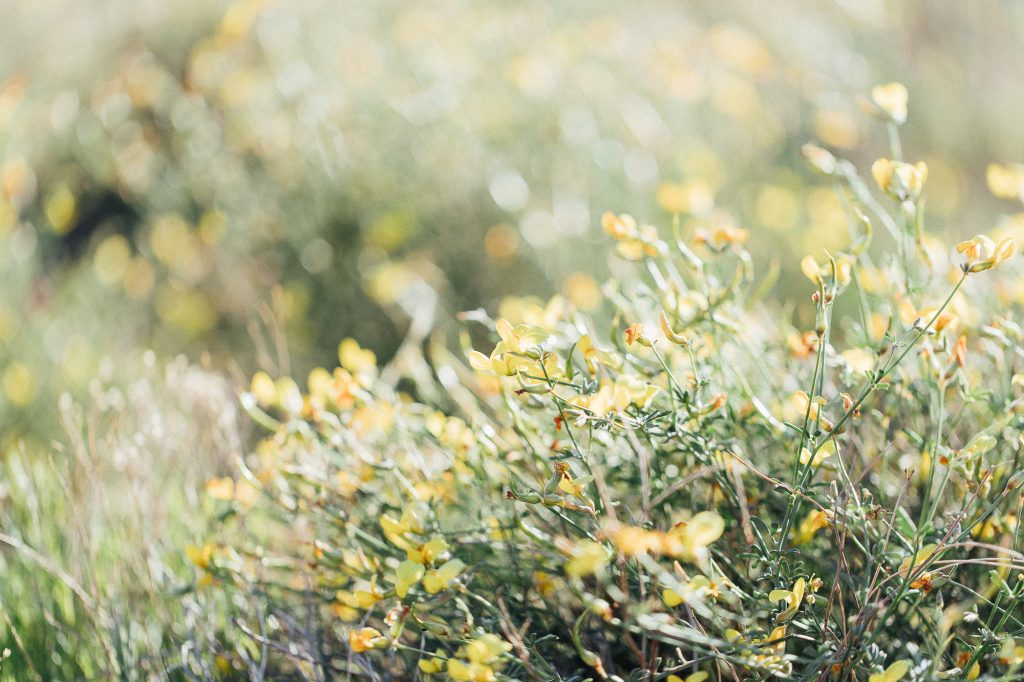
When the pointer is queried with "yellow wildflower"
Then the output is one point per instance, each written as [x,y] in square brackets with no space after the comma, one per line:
[891,100]
[470,672]
[900,180]
[439,578]
[689,540]
[289,397]
[814,272]
[365,639]
[407,574]
[893,673]
[721,237]
[630,540]
[363,596]
[571,487]
[435,664]
[670,334]
[672,598]
[634,243]
[981,253]
[344,611]
[429,551]
[634,333]
[792,597]
[627,390]
[201,557]
[481,658]
[262,388]
[545,583]
[910,563]
[355,359]
[485,649]
[619,226]
[798,405]
[593,356]
[410,522]
[812,523]
[827,449]
[698,588]
[516,353]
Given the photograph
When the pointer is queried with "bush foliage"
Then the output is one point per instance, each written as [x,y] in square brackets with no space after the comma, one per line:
[677,486]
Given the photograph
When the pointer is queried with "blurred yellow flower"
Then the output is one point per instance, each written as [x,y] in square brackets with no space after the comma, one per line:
[485,649]
[689,540]
[262,387]
[545,583]
[634,243]
[407,574]
[19,384]
[201,557]
[355,359]
[411,521]
[428,552]
[587,557]
[815,272]
[695,677]
[363,595]
[898,179]
[430,666]
[891,99]
[672,598]
[627,390]
[893,673]
[910,563]
[593,356]
[111,259]
[693,197]
[670,334]
[859,360]
[365,639]
[812,523]
[221,488]
[634,333]
[630,540]
[721,237]
[60,209]
[582,290]
[1006,181]
[837,128]
[619,226]
[439,578]
[481,656]
[826,450]
[1011,653]
[819,158]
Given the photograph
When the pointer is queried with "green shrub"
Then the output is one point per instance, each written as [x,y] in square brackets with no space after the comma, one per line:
[682,486]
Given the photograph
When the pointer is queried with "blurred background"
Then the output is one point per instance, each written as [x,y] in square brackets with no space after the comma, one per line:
[220,179]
